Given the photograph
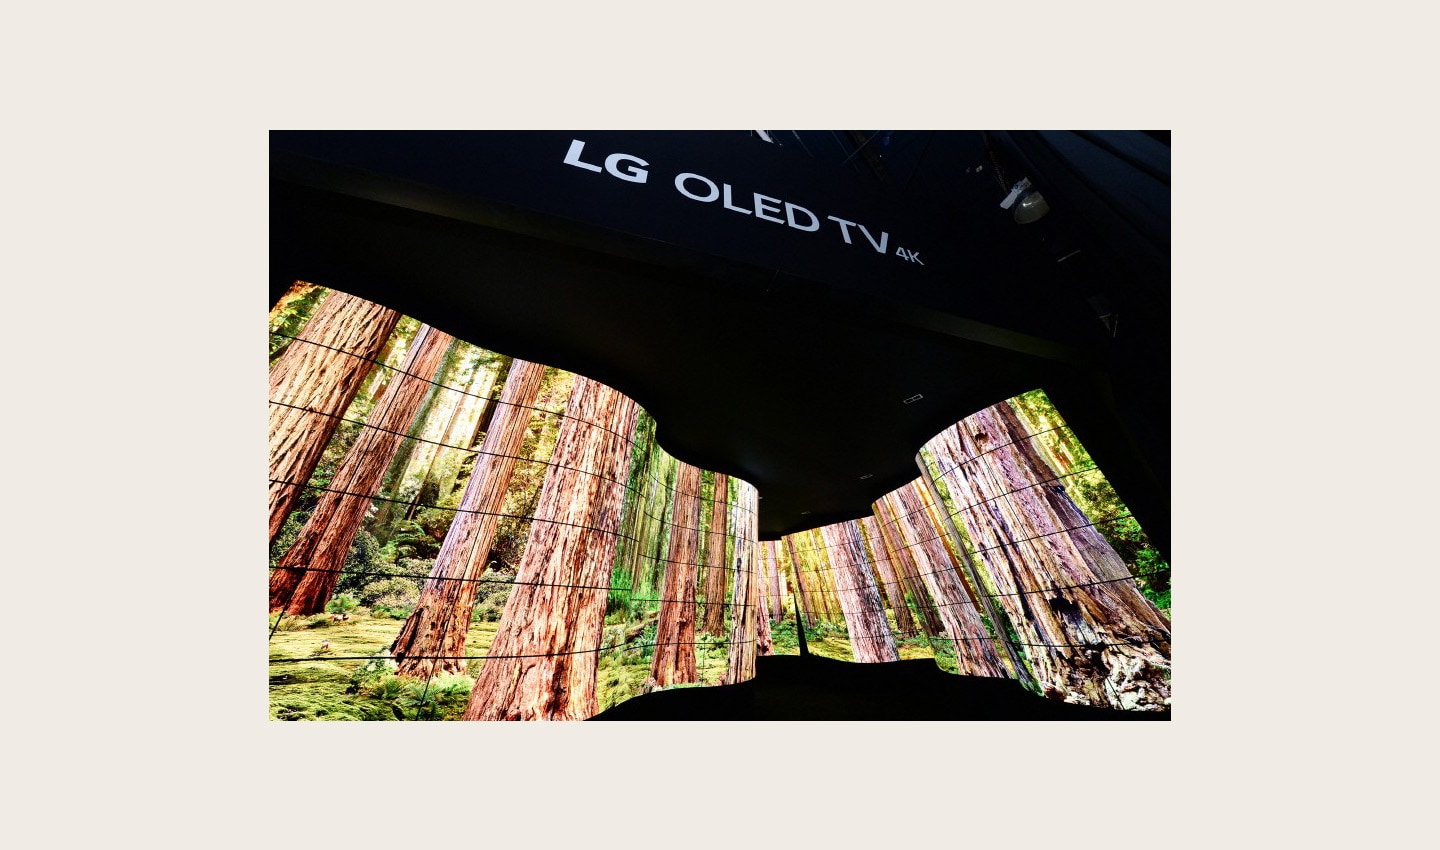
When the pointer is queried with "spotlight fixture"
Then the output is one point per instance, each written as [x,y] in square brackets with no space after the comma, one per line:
[1032,205]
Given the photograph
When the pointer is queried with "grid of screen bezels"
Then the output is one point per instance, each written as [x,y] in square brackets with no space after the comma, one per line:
[932,548]
[647,498]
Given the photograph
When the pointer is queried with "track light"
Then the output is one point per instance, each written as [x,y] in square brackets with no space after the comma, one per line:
[1032,205]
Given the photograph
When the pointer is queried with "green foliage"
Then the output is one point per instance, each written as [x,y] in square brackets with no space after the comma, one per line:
[288,622]
[393,592]
[441,698]
[783,639]
[1096,498]
[367,675]
[365,556]
[945,656]
[489,609]
[412,539]
[291,313]
[368,562]
[286,538]
[395,596]
[342,604]
[825,629]
[346,433]
[646,641]
[620,676]
[388,688]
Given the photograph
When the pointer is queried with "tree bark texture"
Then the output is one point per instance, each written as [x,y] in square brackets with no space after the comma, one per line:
[428,484]
[770,602]
[662,495]
[871,640]
[382,525]
[746,613]
[307,574]
[630,548]
[674,659]
[803,598]
[821,577]
[891,591]
[764,557]
[716,574]
[489,400]
[777,584]
[764,639]
[312,384]
[542,665]
[432,640]
[922,607]
[429,491]
[980,594]
[374,385]
[1098,640]
[917,539]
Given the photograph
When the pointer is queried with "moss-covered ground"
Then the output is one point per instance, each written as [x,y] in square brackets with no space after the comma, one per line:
[329,689]
[346,681]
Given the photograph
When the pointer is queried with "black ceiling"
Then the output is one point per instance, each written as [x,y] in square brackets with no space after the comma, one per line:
[751,364]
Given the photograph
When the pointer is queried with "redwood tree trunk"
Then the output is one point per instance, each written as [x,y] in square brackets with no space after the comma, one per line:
[870,636]
[764,640]
[382,525]
[903,560]
[427,482]
[917,540]
[543,663]
[1098,640]
[803,598]
[889,585]
[918,590]
[715,573]
[769,596]
[493,387]
[777,586]
[817,579]
[311,385]
[432,640]
[674,660]
[307,574]
[746,614]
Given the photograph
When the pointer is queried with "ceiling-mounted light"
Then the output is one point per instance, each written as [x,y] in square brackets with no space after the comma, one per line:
[1031,206]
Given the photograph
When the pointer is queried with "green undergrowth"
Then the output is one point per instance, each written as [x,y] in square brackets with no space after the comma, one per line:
[342,680]
[624,673]
[345,677]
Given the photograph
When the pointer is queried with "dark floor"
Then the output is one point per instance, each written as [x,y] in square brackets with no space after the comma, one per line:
[790,687]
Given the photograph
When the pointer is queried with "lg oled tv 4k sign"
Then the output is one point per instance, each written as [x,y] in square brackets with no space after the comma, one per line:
[700,188]
[721,194]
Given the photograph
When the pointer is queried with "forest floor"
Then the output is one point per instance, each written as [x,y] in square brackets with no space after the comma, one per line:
[321,689]
[342,683]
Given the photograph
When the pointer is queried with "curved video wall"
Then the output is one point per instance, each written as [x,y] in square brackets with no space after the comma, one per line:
[1010,555]
[458,534]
